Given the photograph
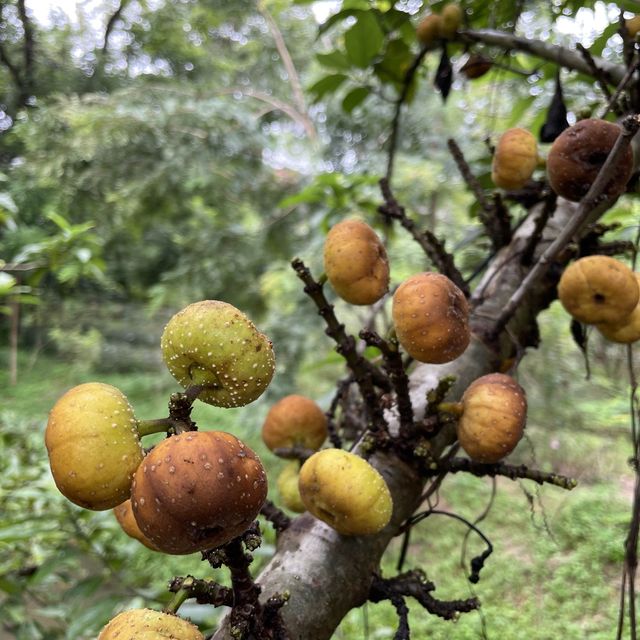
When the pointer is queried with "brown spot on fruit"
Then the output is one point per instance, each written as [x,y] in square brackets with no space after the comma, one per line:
[626,330]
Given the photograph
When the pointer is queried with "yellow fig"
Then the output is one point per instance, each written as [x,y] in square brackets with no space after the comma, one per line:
[287,484]
[93,445]
[598,289]
[345,491]
[355,262]
[515,159]
[214,344]
[494,412]
[146,624]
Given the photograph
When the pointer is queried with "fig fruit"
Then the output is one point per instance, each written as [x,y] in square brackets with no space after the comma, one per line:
[476,66]
[287,484]
[577,155]
[93,445]
[598,289]
[212,343]
[515,159]
[345,491]
[431,318]
[626,330]
[124,515]
[355,262]
[632,25]
[451,15]
[429,29]
[197,490]
[494,412]
[295,420]
[146,624]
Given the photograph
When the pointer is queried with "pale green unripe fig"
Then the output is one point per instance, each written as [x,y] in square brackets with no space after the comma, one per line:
[345,491]
[214,344]
[93,445]
[146,624]
[288,487]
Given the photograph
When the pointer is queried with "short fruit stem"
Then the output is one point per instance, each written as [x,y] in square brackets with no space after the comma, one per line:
[454,408]
[179,597]
[147,427]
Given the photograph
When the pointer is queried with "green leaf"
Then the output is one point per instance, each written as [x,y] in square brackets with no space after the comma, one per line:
[334,60]
[338,17]
[354,98]
[325,85]
[364,40]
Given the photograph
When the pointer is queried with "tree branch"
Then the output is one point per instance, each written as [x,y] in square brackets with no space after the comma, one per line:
[455,465]
[431,245]
[563,56]
[111,23]
[292,74]
[27,47]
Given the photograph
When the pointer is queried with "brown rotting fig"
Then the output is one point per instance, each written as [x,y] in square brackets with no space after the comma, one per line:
[577,155]
[197,491]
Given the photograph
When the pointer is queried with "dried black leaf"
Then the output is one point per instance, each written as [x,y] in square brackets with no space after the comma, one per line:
[444,74]
[556,121]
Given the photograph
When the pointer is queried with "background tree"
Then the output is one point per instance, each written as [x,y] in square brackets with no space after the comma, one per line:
[183,135]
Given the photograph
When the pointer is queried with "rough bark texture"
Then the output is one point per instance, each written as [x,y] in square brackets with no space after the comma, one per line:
[327,574]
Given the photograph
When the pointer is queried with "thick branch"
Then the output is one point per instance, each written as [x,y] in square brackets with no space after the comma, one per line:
[563,56]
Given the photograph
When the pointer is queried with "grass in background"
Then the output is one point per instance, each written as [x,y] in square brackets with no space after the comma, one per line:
[554,572]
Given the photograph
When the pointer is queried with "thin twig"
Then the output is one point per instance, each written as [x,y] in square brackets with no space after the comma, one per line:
[633,67]
[512,472]
[395,123]
[397,375]
[364,374]
[432,246]
[595,71]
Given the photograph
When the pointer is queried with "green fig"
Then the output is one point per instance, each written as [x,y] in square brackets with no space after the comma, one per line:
[214,344]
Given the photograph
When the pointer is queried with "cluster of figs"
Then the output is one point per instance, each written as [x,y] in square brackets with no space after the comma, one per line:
[198,490]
